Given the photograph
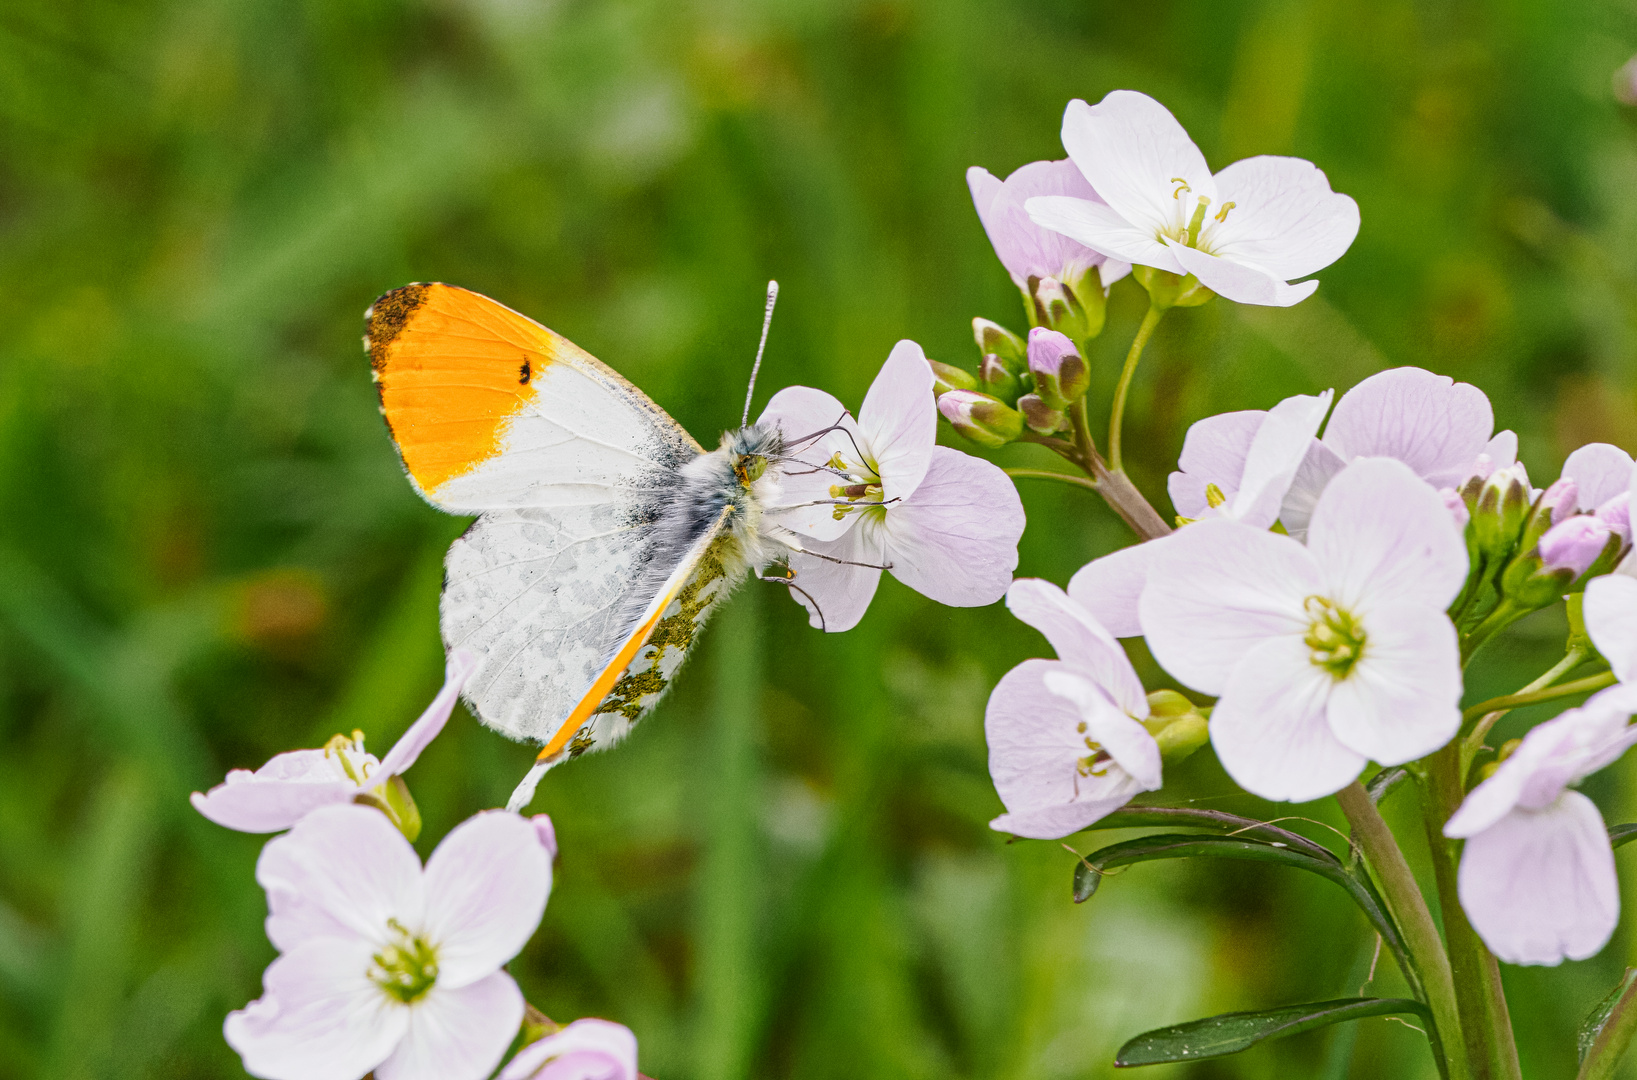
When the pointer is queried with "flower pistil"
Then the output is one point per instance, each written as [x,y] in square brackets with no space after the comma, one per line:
[407,968]
[1335,635]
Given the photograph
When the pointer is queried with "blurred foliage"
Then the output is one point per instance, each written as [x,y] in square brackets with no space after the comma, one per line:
[209,554]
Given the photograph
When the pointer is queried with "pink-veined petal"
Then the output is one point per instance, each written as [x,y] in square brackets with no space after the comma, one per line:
[1135,154]
[1431,423]
[1110,587]
[321,1018]
[1025,248]
[1319,466]
[486,888]
[279,794]
[1035,751]
[1102,229]
[342,869]
[407,749]
[457,1033]
[1276,452]
[804,503]
[1402,698]
[1127,741]
[1610,609]
[898,422]
[955,538]
[584,1050]
[836,581]
[1384,537]
[1213,452]
[1285,218]
[1269,728]
[1218,589]
[1079,640]
[1240,282]
[1539,886]
[1600,472]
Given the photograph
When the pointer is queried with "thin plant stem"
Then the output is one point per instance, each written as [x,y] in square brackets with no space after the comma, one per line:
[1081,429]
[1485,1020]
[1409,910]
[1492,623]
[1116,414]
[1128,502]
[1528,696]
[1060,477]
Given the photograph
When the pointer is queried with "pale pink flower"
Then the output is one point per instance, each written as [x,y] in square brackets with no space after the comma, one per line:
[1066,742]
[1438,427]
[1537,877]
[878,494]
[384,966]
[1610,611]
[584,1050]
[1244,233]
[1024,248]
[1324,656]
[293,784]
[1574,543]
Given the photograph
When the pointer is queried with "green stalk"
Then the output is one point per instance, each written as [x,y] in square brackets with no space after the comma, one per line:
[1485,1021]
[1116,415]
[1047,474]
[1529,696]
[1409,910]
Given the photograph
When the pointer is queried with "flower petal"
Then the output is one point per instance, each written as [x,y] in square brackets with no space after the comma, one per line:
[1110,587]
[804,502]
[1079,640]
[1269,728]
[1319,466]
[320,1019]
[1035,747]
[898,422]
[1431,423]
[407,749]
[1213,452]
[1025,248]
[584,1050]
[277,795]
[1134,153]
[1240,282]
[1102,229]
[836,581]
[457,1033]
[1127,741]
[1402,699]
[955,538]
[1218,589]
[1384,537]
[1540,886]
[1276,452]
[1285,218]
[1600,472]
[342,871]
[1610,610]
[486,888]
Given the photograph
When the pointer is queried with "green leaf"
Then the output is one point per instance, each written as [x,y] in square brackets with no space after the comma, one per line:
[1186,817]
[1605,1034]
[1230,1033]
[1622,834]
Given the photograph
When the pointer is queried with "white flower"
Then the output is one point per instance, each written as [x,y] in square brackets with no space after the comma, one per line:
[1066,742]
[1537,875]
[1323,656]
[1438,427]
[292,785]
[385,967]
[878,494]
[1234,465]
[584,1050]
[1024,248]
[1243,233]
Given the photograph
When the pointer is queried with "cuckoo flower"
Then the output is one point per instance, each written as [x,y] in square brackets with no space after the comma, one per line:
[385,966]
[1323,656]
[1029,252]
[1244,233]
[584,1050]
[877,494]
[1066,742]
[1234,465]
[1537,875]
[1438,427]
[293,784]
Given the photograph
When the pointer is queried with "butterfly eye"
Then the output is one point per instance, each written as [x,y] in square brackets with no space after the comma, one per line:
[750,468]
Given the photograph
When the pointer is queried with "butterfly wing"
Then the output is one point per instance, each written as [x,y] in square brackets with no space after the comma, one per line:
[570,468]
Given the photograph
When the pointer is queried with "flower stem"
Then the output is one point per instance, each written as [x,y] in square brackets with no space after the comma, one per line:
[1485,1021]
[1116,487]
[1116,415]
[1529,695]
[1504,613]
[1409,909]
[1048,474]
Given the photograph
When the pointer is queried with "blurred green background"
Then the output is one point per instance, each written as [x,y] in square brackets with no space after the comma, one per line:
[208,553]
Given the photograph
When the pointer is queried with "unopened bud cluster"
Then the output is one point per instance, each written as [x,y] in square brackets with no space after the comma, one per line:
[1020,385]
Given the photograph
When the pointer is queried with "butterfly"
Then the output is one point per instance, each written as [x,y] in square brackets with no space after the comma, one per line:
[605,533]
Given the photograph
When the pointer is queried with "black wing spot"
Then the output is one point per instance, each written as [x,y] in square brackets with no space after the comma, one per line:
[524,373]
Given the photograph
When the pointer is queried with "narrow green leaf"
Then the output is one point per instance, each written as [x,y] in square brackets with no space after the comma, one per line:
[1219,1036]
[1182,817]
[1622,834]
[1088,872]
[1605,1034]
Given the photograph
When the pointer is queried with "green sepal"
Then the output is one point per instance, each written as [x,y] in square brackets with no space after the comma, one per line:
[1219,1036]
[393,799]
[1603,1036]
[1168,290]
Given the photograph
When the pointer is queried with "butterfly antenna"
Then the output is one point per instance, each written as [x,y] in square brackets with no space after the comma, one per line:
[767,321]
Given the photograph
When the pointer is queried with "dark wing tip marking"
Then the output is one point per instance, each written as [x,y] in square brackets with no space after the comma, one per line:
[387,317]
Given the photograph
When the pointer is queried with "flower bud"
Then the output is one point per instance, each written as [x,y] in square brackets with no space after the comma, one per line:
[995,340]
[1575,544]
[1176,724]
[1061,376]
[1057,308]
[1498,518]
[947,377]
[1039,416]
[981,418]
[1554,505]
[996,381]
[1572,550]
